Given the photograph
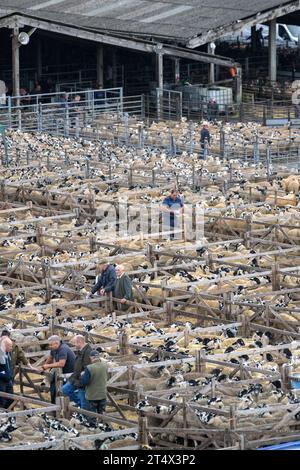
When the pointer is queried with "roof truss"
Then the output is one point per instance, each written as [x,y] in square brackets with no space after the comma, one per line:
[211,36]
[19,21]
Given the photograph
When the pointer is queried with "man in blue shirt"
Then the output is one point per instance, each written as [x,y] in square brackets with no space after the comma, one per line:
[61,357]
[171,208]
[6,373]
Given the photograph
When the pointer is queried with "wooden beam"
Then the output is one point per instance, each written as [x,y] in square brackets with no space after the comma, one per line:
[198,57]
[16,64]
[17,20]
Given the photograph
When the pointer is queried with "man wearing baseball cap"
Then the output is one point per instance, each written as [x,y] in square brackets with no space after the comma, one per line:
[94,379]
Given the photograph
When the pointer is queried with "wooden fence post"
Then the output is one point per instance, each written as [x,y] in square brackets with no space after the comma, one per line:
[200,361]
[232,422]
[285,372]
[93,247]
[244,329]
[131,400]
[275,277]
[170,317]
[123,346]
[186,337]
[140,392]
[185,421]
[143,432]
[227,305]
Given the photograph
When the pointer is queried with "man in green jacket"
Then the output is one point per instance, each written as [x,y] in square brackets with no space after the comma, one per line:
[123,287]
[72,388]
[94,379]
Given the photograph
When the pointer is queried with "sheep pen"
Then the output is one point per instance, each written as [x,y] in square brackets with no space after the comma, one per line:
[206,352]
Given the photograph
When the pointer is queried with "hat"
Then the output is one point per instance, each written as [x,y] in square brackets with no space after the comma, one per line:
[94,353]
[5,333]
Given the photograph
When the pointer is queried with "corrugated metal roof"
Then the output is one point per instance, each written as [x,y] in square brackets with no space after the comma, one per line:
[175,19]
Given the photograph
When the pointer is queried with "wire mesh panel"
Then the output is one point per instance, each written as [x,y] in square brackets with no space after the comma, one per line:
[168,104]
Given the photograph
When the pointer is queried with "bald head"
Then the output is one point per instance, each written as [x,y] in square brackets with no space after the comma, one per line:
[6,344]
[79,342]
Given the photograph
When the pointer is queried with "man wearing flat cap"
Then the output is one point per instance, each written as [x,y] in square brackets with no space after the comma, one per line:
[94,379]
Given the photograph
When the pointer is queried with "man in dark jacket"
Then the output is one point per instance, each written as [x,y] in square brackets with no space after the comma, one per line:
[17,355]
[204,136]
[123,287]
[212,110]
[6,373]
[94,379]
[72,388]
[106,281]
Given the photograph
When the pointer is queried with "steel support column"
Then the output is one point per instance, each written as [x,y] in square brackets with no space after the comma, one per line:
[160,83]
[238,85]
[211,50]
[100,80]
[177,70]
[272,51]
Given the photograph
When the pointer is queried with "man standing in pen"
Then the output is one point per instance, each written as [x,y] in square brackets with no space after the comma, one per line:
[171,208]
[106,281]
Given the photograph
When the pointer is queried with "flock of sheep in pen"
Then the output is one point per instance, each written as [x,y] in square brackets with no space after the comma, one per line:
[214,323]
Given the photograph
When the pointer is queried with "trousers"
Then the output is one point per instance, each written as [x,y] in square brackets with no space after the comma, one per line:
[97,406]
[77,395]
[6,387]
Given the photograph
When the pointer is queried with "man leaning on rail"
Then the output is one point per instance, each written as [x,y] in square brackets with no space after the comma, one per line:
[94,379]
[106,280]
[72,387]
[61,357]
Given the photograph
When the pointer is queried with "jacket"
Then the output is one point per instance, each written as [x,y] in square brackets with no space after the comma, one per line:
[6,374]
[107,280]
[17,358]
[82,360]
[94,379]
[123,288]
[204,135]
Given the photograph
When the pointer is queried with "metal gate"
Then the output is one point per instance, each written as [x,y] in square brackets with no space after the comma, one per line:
[168,104]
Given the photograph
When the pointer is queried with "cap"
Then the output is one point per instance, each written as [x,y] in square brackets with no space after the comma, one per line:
[94,353]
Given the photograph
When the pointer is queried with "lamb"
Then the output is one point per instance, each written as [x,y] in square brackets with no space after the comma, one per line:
[210,419]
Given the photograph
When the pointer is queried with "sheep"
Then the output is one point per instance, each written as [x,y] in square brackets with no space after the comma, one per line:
[210,419]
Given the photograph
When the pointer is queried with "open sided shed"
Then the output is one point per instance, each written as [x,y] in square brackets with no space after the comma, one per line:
[164,27]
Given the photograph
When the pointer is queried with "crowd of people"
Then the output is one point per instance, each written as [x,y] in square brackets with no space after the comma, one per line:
[86,385]
[42,90]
